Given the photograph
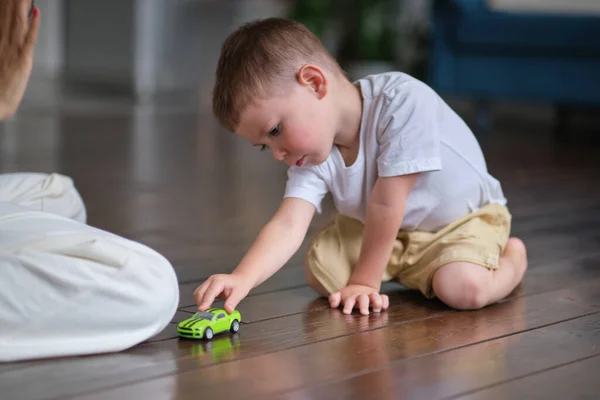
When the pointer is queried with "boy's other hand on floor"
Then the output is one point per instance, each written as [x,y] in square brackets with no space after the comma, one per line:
[229,287]
[361,297]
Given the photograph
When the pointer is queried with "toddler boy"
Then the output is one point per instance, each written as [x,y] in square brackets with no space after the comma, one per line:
[408,179]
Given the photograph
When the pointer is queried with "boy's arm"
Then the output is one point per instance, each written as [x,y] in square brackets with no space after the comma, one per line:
[278,240]
[384,216]
[385,211]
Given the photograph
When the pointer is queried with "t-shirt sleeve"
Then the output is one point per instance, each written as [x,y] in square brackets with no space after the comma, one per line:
[305,183]
[408,131]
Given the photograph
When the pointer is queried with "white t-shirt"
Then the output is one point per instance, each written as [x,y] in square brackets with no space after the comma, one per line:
[405,128]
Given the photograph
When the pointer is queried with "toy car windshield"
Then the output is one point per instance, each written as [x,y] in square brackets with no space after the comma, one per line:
[204,315]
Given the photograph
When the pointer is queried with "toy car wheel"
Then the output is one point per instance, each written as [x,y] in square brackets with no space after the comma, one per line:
[235,326]
[208,334]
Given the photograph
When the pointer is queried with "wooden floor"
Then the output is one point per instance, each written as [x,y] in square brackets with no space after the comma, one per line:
[169,178]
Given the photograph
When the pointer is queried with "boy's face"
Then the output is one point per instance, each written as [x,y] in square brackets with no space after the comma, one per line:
[298,126]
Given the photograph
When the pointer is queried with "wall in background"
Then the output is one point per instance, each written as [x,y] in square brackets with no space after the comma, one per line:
[49,52]
[151,47]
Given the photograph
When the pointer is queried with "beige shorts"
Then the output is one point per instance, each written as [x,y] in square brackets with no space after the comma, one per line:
[478,238]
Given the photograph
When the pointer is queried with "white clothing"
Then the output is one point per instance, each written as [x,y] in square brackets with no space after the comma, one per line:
[405,128]
[67,288]
[52,193]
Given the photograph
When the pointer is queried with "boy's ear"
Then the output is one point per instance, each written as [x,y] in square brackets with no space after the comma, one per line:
[314,78]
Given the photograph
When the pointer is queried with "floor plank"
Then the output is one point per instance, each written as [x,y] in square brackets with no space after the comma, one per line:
[286,360]
[577,380]
[451,373]
[548,247]
[560,274]
[562,220]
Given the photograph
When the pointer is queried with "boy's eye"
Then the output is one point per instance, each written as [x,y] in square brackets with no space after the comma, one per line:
[274,131]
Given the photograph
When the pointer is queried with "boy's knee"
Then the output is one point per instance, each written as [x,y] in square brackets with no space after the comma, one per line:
[474,295]
[462,292]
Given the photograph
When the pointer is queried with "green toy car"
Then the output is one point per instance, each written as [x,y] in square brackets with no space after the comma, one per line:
[205,324]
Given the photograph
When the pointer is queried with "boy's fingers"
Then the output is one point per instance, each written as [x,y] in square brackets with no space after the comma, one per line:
[334,299]
[200,290]
[198,294]
[233,301]
[363,304]
[385,300]
[349,304]
[201,287]
[230,306]
[213,291]
[376,301]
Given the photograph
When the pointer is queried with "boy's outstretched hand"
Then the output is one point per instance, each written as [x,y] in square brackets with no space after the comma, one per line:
[361,297]
[229,287]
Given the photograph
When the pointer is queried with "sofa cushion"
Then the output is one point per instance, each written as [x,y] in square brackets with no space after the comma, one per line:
[533,34]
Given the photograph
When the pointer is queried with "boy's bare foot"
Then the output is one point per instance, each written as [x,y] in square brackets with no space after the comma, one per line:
[515,256]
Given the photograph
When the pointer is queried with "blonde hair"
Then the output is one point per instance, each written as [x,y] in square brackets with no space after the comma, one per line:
[261,55]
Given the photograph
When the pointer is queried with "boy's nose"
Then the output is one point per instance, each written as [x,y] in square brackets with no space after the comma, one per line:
[279,154]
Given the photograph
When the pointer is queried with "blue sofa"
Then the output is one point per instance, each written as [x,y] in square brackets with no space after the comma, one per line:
[487,55]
